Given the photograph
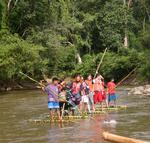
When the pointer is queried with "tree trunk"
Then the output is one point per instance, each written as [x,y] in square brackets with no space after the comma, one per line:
[79,58]
[126,36]
[126,41]
[129,3]
[8,5]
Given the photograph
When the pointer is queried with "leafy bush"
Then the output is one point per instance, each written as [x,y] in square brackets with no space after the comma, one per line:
[113,66]
[18,55]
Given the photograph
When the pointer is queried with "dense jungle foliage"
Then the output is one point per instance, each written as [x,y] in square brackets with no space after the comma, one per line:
[65,37]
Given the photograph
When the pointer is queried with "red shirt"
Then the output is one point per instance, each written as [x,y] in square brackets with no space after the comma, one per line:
[111,87]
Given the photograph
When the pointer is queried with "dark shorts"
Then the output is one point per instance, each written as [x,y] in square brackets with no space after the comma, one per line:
[61,104]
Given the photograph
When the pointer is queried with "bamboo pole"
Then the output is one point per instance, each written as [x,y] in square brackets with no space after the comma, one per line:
[32,79]
[100,62]
[126,77]
[120,139]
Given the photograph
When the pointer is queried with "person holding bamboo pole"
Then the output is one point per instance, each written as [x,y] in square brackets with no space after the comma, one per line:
[53,103]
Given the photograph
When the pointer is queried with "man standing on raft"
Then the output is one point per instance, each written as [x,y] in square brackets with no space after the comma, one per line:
[53,103]
[111,89]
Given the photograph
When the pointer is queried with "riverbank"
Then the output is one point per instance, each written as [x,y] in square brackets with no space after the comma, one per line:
[23,85]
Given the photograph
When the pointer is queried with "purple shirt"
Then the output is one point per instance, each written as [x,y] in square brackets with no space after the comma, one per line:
[52,91]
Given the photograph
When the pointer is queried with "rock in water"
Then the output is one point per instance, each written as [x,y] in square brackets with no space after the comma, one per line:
[114,122]
[141,90]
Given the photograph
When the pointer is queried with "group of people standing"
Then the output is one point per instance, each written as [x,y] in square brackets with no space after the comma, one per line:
[82,94]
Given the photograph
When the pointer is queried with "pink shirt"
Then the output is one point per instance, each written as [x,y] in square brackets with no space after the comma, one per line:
[76,87]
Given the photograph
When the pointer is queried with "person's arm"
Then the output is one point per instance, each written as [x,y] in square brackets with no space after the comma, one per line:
[43,88]
[42,85]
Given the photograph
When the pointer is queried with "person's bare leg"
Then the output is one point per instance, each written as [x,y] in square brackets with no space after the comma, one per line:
[58,114]
[88,107]
[106,102]
[79,107]
[83,108]
[115,105]
[62,110]
[51,115]
[102,105]
[95,106]
[72,112]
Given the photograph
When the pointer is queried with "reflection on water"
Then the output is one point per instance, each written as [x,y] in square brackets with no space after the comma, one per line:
[17,107]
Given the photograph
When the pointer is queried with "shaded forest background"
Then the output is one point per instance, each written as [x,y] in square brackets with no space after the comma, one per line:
[65,37]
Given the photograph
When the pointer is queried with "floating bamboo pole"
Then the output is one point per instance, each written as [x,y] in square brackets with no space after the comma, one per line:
[120,139]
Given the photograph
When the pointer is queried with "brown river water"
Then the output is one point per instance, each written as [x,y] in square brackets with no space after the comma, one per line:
[18,107]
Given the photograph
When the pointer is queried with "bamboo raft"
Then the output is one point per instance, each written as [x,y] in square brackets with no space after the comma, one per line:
[69,118]
[66,119]
[73,117]
[120,107]
[50,121]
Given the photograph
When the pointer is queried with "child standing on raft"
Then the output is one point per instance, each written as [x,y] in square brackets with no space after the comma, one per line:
[53,103]
[111,89]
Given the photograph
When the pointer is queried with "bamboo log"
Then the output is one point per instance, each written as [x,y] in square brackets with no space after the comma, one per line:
[99,112]
[98,67]
[112,108]
[120,139]
[71,117]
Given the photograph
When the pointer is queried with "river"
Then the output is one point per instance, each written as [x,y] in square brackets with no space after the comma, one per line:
[18,107]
